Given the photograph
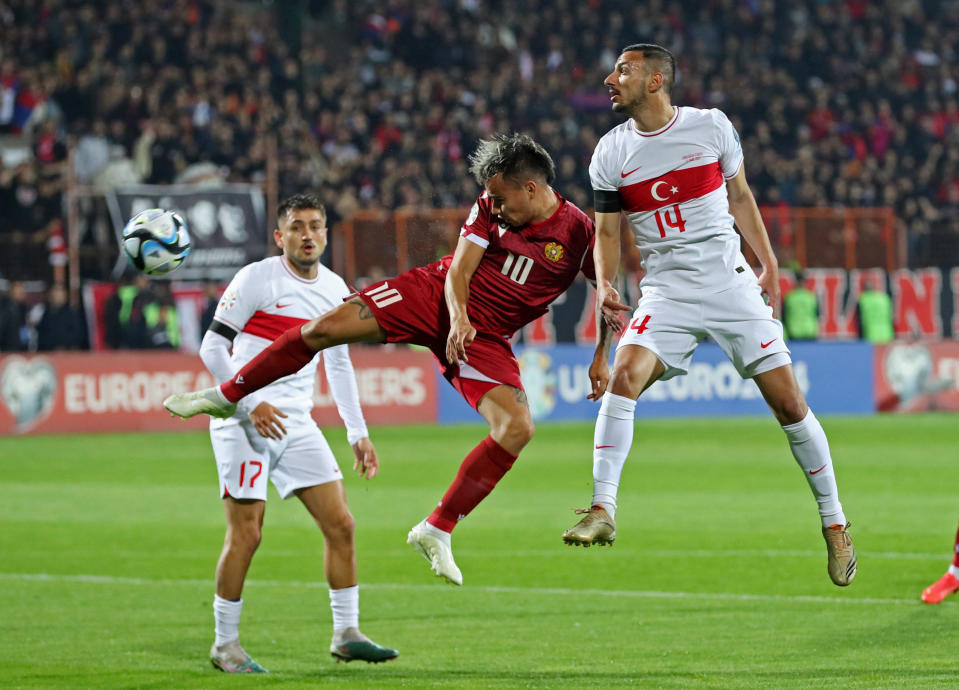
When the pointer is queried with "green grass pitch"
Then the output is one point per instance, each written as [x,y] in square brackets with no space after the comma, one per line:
[717,579]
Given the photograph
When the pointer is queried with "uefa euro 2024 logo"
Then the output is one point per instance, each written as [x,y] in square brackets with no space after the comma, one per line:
[539,380]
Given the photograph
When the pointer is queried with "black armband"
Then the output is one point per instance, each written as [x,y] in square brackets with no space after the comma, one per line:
[221,328]
[605,201]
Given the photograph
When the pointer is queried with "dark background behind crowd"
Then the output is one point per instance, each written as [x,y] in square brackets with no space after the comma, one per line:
[377,103]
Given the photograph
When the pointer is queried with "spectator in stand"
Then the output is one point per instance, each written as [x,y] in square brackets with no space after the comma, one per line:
[14,330]
[837,103]
[62,325]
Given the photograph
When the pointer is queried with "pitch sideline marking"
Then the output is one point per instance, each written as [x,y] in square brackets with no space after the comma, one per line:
[551,591]
[706,553]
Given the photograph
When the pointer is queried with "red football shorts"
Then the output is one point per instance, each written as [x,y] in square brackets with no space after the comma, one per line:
[411,308]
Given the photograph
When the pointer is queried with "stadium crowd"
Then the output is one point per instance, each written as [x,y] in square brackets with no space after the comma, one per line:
[377,103]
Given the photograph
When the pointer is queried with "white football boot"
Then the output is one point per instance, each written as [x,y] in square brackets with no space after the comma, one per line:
[207,401]
[436,550]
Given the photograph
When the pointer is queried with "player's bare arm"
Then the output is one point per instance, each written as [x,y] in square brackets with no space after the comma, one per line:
[266,420]
[742,206]
[366,462]
[466,259]
[606,255]
[599,367]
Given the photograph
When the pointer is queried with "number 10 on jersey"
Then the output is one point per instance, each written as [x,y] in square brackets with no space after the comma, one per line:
[517,267]
[663,220]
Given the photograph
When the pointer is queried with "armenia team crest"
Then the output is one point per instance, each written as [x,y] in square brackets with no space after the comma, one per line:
[554,251]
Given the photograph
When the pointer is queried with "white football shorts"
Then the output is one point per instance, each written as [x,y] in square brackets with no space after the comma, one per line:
[245,460]
[738,320]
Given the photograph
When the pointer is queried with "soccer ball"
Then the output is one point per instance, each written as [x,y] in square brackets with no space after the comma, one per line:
[156,241]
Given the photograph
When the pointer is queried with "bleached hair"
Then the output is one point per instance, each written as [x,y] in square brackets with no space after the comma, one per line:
[516,156]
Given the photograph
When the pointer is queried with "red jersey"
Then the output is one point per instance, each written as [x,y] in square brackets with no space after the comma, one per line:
[524,269]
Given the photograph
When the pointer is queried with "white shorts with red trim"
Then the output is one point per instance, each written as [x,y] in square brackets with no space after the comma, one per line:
[245,460]
[738,320]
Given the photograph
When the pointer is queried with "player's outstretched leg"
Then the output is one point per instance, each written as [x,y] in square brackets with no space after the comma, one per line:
[352,645]
[230,657]
[205,401]
[434,544]
[286,355]
[346,323]
[597,527]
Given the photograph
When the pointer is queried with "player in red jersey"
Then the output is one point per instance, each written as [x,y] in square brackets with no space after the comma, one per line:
[948,583]
[521,247]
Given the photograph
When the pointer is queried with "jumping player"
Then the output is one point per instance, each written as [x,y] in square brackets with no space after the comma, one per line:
[273,437]
[521,247]
[677,173]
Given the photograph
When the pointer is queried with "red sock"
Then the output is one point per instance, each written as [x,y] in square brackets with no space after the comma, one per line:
[481,470]
[955,557]
[285,355]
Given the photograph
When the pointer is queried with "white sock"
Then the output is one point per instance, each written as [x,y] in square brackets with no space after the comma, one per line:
[435,531]
[345,605]
[612,440]
[226,619]
[809,446]
[954,571]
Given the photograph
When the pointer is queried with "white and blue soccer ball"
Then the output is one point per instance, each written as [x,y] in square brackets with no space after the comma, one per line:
[156,241]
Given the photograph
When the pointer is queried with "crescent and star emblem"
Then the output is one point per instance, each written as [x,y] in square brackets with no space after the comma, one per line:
[655,194]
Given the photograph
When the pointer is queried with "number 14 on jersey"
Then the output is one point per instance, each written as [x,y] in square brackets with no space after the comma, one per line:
[671,218]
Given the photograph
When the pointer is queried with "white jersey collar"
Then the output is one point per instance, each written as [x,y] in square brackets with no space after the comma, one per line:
[632,125]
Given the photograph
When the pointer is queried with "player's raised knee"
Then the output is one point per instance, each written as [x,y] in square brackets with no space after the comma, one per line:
[519,431]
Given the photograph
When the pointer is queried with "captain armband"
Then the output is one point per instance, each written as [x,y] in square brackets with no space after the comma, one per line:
[221,328]
[606,201]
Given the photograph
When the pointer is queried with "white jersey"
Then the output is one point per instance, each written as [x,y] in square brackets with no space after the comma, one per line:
[266,298]
[671,186]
